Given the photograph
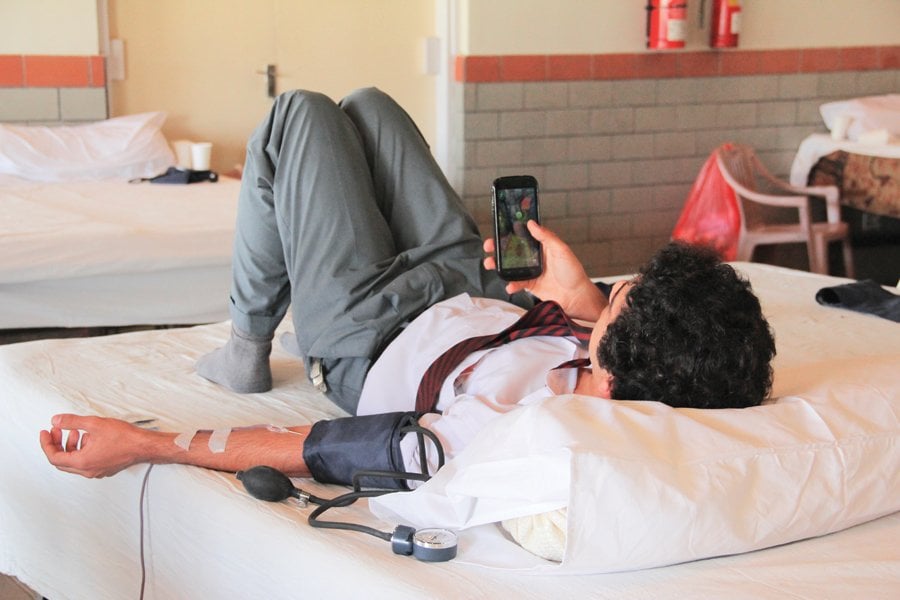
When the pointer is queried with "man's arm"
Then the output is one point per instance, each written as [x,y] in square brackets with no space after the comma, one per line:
[564,279]
[108,446]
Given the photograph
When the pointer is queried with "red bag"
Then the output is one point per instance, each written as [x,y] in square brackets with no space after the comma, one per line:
[710,216]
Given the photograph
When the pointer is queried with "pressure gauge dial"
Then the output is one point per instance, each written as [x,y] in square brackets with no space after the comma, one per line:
[434,544]
[431,545]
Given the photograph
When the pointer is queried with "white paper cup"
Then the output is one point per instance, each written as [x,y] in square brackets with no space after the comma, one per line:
[200,153]
[840,126]
[183,153]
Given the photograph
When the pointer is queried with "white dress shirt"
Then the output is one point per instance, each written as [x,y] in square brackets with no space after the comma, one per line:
[485,385]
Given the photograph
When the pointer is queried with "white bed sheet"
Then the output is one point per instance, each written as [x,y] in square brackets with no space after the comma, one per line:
[68,537]
[110,253]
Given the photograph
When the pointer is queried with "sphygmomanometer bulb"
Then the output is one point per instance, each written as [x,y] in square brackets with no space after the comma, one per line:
[266,483]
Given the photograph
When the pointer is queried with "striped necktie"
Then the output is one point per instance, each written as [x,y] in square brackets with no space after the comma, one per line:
[545,318]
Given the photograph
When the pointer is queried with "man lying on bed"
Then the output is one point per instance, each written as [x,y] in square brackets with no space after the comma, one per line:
[345,217]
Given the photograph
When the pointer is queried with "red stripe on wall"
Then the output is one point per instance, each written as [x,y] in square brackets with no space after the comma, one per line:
[818,60]
[477,69]
[778,61]
[889,57]
[653,65]
[12,71]
[523,68]
[57,71]
[699,64]
[569,67]
[98,71]
[860,59]
[52,71]
[613,66]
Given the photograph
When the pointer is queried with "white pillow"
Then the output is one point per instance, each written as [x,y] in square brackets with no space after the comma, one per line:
[647,485]
[871,113]
[118,148]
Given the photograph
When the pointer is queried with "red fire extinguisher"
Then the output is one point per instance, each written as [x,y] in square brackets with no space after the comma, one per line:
[726,24]
[666,24]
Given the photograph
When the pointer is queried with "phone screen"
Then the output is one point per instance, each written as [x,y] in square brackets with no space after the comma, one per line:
[518,254]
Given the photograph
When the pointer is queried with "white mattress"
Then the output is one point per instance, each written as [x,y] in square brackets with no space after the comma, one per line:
[111,253]
[68,537]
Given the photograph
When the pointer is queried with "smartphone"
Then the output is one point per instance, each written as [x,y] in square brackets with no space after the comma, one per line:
[514,202]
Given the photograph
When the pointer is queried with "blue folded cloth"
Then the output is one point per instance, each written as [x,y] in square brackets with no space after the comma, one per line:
[862,296]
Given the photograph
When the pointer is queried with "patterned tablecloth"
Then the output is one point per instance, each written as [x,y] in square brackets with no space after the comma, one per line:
[867,183]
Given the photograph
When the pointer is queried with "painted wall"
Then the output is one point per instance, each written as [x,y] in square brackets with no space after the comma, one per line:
[201,61]
[486,27]
[601,26]
[55,27]
[51,70]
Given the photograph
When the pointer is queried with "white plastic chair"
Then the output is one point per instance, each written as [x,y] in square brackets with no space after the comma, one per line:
[754,185]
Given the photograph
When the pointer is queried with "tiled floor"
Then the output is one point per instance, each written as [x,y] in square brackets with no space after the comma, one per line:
[11,589]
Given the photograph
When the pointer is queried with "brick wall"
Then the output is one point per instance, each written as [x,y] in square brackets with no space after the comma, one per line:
[616,141]
[43,90]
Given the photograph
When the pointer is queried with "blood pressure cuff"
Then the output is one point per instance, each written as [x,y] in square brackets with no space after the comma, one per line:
[337,449]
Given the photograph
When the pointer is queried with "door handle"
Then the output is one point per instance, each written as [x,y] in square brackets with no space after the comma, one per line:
[270,74]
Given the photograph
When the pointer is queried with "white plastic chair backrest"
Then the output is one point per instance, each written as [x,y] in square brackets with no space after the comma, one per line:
[737,160]
[736,168]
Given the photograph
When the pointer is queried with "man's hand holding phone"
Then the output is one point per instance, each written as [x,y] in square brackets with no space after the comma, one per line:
[514,202]
[563,279]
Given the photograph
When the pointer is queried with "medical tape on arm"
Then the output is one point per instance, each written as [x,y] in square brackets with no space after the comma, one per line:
[218,438]
[183,440]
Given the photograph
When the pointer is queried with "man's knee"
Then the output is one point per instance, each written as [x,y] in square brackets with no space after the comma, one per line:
[367,107]
[291,114]
[302,103]
[370,109]
[366,99]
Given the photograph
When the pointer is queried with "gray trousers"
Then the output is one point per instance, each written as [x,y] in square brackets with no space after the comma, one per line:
[345,217]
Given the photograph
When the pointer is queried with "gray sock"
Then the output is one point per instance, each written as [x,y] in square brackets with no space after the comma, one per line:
[241,365]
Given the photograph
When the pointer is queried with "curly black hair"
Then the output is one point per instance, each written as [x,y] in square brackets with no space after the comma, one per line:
[691,334]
